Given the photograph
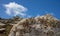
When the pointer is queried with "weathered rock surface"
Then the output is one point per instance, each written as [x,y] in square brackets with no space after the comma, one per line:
[45,25]
[6,24]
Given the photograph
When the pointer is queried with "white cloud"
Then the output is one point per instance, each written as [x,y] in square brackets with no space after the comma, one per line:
[14,9]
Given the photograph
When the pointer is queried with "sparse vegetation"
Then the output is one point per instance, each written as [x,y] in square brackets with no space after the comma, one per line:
[46,24]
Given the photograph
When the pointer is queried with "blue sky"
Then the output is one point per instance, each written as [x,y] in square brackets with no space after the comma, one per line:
[32,8]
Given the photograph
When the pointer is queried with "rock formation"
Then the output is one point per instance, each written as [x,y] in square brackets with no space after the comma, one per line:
[46,25]
[6,25]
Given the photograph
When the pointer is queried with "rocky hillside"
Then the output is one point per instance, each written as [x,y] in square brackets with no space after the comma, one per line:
[45,25]
[6,25]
